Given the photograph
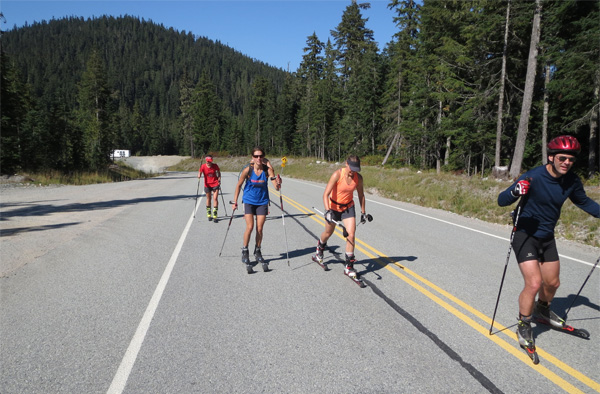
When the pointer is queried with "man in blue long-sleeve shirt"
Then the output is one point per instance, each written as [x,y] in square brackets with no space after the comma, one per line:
[545,189]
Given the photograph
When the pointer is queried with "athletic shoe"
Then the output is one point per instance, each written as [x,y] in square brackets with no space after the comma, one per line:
[543,313]
[258,256]
[320,248]
[245,256]
[525,334]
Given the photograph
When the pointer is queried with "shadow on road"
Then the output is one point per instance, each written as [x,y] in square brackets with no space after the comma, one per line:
[47,209]
[18,230]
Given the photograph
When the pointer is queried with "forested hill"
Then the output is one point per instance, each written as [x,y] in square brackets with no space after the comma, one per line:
[146,69]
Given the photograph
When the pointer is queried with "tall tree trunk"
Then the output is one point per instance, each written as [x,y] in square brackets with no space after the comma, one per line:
[501,92]
[447,154]
[515,168]
[593,162]
[545,115]
[390,148]
[438,155]
[398,116]
[257,138]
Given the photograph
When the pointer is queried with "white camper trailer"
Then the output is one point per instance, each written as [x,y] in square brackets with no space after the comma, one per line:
[119,153]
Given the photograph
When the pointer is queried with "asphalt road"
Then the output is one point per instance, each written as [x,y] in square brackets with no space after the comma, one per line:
[118,288]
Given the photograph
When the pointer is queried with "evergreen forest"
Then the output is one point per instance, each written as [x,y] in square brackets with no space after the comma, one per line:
[471,86]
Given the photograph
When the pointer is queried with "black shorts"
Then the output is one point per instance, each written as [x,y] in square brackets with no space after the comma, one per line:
[208,189]
[258,210]
[528,247]
[348,213]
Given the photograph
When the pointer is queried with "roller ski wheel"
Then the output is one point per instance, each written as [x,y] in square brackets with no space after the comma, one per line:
[260,260]
[543,315]
[322,263]
[210,218]
[567,329]
[532,353]
[246,260]
[355,277]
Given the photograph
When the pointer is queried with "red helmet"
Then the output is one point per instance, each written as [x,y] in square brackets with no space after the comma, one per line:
[565,144]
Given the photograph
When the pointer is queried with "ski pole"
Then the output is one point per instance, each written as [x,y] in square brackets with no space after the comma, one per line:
[345,233]
[283,220]
[584,282]
[223,199]
[512,234]
[196,203]
[229,225]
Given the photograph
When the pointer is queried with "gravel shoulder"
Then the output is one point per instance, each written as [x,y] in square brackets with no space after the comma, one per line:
[152,164]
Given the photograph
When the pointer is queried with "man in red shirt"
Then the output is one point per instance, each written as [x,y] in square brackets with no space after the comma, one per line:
[212,183]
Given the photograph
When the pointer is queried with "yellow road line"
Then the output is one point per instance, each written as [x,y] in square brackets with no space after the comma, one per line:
[378,256]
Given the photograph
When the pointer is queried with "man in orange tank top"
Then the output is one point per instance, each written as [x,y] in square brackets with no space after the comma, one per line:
[338,200]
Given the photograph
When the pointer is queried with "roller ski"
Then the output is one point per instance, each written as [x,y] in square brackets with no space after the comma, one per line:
[260,260]
[246,260]
[209,214]
[525,337]
[214,216]
[318,256]
[543,315]
[351,273]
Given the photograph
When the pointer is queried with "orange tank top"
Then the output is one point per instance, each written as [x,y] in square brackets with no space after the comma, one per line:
[342,194]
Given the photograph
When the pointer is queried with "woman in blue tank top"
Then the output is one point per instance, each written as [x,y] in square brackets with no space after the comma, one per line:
[256,202]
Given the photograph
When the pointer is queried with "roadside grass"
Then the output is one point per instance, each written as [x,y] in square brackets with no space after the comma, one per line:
[470,196]
[114,173]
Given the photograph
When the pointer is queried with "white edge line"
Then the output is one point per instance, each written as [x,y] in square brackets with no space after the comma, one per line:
[453,224]
[120,380]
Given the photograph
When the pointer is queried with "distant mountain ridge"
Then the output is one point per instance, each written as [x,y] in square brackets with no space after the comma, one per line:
[144,60]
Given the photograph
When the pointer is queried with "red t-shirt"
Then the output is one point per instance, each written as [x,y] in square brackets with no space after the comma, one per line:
[211,175]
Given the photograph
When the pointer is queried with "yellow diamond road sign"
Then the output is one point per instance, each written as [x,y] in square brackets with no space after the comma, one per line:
[283,161]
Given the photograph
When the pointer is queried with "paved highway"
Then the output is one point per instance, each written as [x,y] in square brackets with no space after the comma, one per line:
[119,289]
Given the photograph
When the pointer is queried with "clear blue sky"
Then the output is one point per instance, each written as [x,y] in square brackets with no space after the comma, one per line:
[273,31]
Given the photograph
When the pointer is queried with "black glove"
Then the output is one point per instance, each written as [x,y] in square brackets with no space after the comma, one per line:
[328,216]
[365,217]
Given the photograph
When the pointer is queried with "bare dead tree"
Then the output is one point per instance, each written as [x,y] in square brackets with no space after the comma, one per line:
[517,161]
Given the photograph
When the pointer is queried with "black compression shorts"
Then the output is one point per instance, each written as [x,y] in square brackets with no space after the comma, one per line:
[527,247]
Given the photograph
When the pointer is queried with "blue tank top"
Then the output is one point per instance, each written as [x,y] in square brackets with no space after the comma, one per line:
[256,190]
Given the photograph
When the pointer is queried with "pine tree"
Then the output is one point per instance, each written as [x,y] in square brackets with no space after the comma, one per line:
[93,97]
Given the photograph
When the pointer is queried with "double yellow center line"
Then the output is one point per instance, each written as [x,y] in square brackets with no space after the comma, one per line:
[441,297]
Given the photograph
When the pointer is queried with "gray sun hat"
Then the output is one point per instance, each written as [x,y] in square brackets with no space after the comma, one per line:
[354,165]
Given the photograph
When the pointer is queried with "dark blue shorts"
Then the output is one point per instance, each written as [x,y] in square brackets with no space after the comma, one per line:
[258,210]
[528,247]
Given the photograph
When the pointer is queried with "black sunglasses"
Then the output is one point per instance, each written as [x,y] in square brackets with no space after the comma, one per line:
[257,156]
[562,159]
